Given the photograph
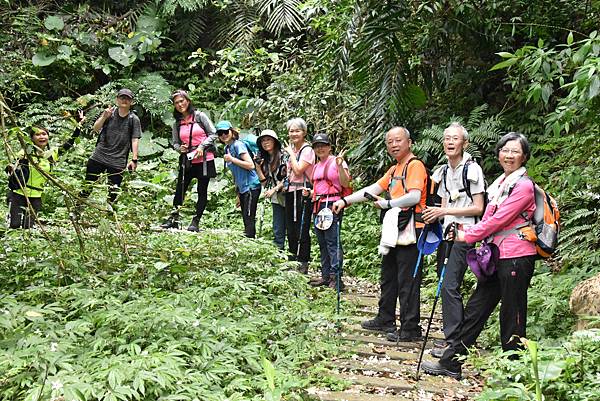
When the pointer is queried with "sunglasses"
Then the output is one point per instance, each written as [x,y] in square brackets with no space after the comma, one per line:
[220,133]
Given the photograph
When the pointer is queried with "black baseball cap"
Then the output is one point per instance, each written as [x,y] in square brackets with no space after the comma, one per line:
[321,138]
[125,92]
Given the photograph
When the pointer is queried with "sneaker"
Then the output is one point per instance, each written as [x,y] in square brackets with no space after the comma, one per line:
[378,325]
[437,352]
[434,368]
[333,283]
[193,227]
[405,336]
[303,268]
[171,222]
[320,283]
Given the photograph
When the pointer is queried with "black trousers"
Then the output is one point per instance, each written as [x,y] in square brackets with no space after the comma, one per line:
[298,212]
[248,203]
[509,286]
[92,174]
[397,283]
[184,178]
[20,215]
[452,301]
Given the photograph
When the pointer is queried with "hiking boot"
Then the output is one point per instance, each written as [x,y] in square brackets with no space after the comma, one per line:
[323,282]
[436,369]
[437,352]
[171,222]
[193,227]
[333,283]
[303,268]
[405,336]
[439,343]
[378,325]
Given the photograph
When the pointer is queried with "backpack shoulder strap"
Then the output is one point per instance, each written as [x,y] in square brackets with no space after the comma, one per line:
[405,170]
[445,177]
[466,184]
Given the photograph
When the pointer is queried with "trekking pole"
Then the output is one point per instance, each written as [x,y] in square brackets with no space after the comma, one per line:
[339,266]
[449,245]
[303,205]
[261,217]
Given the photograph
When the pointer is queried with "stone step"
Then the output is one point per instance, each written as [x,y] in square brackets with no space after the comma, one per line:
[372,311]
[383,342]
[356,328]
[348,395]
[433,385]
[381,352]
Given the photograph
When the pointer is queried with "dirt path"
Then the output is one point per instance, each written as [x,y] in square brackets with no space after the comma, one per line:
[378,370]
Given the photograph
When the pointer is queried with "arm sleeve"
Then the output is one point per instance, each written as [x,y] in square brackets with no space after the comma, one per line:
[69,143]
[518,201]
[359,196]
[407,200]
[175,136]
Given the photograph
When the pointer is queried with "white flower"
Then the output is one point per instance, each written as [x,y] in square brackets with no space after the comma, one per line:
[144,353]
[57,385]
[53,347]
[196,323]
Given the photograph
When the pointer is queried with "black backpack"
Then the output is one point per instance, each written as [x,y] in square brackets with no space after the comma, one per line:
[17,179]
[466,186]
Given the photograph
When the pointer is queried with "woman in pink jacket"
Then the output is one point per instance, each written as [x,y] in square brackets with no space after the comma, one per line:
[511,202]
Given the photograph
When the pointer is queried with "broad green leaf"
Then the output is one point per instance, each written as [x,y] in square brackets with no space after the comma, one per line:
[570,38]
[54,23]
[31,313]
[504,64]
[43,59]
[65,50]
[550,370]
[118,54]
[505,54]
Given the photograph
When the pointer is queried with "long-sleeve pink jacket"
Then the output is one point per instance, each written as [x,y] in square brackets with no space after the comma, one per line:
[507,215]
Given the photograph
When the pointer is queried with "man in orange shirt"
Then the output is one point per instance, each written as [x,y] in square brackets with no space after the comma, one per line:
[406,184]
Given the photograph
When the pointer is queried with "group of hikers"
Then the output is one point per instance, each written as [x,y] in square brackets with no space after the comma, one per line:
[309,186]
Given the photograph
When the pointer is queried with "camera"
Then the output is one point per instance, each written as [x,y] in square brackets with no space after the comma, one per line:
[258,159]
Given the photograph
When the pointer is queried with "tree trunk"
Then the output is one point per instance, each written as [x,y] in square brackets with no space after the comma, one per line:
[585,300]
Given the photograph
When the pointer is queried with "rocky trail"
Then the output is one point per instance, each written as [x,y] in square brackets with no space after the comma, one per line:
[379,370]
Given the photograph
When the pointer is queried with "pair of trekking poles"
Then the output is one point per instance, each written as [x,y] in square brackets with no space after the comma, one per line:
[422,251]
[338,250]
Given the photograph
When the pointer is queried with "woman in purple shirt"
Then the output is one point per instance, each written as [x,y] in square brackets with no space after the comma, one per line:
[511,202]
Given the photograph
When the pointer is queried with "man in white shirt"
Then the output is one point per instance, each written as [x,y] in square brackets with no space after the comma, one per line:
[462,189]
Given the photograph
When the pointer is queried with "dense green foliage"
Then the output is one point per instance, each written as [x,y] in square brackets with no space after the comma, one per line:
[351,68]
[159,315]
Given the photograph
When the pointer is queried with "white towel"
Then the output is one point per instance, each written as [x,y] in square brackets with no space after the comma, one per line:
[389,231]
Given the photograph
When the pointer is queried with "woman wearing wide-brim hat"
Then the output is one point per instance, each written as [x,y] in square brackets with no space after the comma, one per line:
[272,172]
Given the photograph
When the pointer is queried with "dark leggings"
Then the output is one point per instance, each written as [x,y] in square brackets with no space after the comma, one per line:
[92,174]
[297,223]
[183,182]
[248,203]
[20,215]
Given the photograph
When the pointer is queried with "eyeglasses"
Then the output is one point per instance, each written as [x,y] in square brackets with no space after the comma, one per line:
[511,151]
[221,133]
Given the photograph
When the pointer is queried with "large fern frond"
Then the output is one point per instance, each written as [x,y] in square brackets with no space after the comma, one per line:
[280,15]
